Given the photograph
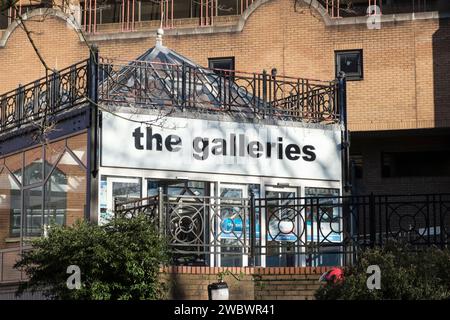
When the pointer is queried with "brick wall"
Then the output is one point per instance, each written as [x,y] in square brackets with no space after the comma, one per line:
[191,283]
[280,283]
[405,63]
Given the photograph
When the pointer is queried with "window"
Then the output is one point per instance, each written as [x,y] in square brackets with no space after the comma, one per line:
[221,63]
[227,7]
[350,62]
[4,19]
[415,164]
[357,165]
[323,223]
[47,183]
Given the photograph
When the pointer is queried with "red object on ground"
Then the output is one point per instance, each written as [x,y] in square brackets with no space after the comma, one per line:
[333,275]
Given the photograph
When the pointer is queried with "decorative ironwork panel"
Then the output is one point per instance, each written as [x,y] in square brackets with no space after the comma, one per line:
[153,85]
[294,231]
[44,98]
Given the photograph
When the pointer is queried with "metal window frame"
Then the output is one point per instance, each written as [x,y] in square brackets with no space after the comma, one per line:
[350,76]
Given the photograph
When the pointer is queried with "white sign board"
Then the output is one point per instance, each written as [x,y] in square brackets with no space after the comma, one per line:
[223,147]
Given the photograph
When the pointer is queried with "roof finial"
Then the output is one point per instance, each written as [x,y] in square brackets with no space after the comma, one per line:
[159,35]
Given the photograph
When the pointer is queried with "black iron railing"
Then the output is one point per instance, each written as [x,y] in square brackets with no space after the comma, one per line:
[294,231]
[184,86]
[180,86]
[44,98]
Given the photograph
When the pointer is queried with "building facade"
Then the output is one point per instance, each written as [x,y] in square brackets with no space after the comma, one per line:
[399,89]
[395,60]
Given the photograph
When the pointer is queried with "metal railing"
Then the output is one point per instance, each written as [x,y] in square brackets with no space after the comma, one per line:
[44,98]
[350,8]
[295,231]
[133,13]
[157,85]
[311,231]
[189,87]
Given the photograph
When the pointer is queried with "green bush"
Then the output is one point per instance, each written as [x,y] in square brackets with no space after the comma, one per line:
[119,260]
[405,274]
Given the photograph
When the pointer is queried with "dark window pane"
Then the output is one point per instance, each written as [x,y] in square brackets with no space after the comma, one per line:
[4,19]
[228,7]
[357,165]
[181,9]
[350,62]
[416,164]
[108,11]
[221,63]
[32,204]
[149,11]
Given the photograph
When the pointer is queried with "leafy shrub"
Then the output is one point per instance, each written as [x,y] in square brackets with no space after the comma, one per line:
[119,260]
[405,274]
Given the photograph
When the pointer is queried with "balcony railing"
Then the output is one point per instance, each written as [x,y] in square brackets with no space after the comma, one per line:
[354,8]
[188,87]
[44,98]
[180,86]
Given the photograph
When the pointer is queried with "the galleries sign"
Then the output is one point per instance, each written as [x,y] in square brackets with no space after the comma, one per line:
[208,146]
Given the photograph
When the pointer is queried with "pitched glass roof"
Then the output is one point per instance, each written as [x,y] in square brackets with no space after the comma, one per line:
[162,77]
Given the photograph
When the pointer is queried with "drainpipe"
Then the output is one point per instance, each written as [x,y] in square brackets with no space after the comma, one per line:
[345,150]
[93,140]
[348,258]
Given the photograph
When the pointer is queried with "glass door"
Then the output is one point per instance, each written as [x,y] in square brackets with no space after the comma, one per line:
[186,218]
[233,223]
[284,230]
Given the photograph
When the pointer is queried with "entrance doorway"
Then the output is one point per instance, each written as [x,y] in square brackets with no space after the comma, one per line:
[284,227]
[234,226]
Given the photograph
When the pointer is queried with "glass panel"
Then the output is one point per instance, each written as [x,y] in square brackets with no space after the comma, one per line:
[55,204]
[33,169]
[124,190]
[196,188]
[231,226]
[4,19]
[14,164]
[350,63]
[67,188]
[325,213]
[282,228]
[53,151]
[255,188]
[78,145]
[182,9]
[9,207]
[152,188]
[33,212]
[108,11]
[149,10]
